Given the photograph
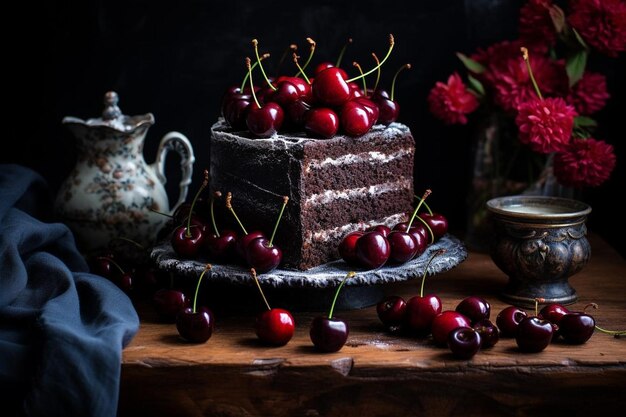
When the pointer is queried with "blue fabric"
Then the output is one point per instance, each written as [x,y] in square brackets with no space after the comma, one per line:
[62,329]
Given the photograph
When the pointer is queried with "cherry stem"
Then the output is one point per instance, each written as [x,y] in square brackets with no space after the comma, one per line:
[280,215]
[119,268]
[378,72]
[537,301]
[295,59]
[161,213]
[255,43]
[245,79]
[393,82]
[530,71]
[391,44]
[425,205]
[311,52]
[356,64]
[205,182]
[139,245]
[258,284]
[292,47]
[195,297]
[215,195]
[430,231]
[343,281]
[343,51]
[251,84]
[615,333]
[437,253]
[229,206]
[426,194]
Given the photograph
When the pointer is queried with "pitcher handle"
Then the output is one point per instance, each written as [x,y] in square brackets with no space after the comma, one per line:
[176,141]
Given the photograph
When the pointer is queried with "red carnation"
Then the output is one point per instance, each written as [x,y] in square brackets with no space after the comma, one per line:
[512,83]
[451,102]
[601,23]
[586,162]
[590,94]
[497,54]
[536,29]
[545,125]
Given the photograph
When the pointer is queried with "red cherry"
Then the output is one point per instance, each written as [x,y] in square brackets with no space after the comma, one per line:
[372,250]
[391,310]
[384,230]
[275,327]
[553,312]
[370,106]
[508,319]
[325,65]
[420,309]
[265,121]
[187,240]
[262,255]
[437,222]
[168,302]
[236,111]
[355,119]
[347,248]
[321,122]
[388,109]
[403,246]
[464,342]
[330,87]
[329,333]
[445,322]
[222,247]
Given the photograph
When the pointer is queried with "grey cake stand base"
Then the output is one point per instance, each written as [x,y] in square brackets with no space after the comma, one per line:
[312,290]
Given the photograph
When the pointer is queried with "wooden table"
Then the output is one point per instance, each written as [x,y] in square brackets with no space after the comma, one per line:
[380,374]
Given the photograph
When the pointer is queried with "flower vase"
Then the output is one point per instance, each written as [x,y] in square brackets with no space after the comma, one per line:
[501,166]
[487,180]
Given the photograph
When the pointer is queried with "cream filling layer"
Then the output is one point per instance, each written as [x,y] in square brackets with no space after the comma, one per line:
[371,157]
[372,190]
[340,231]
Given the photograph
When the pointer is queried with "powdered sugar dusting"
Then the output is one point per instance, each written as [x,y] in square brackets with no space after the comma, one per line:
[222,132]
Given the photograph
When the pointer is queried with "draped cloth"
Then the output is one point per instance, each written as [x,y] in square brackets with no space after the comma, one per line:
[62,329]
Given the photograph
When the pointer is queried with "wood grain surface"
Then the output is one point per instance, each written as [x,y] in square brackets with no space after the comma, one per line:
[383,374]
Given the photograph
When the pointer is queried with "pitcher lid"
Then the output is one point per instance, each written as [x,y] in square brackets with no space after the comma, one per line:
[112,117]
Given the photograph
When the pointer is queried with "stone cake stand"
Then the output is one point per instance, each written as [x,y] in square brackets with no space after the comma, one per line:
[231,287]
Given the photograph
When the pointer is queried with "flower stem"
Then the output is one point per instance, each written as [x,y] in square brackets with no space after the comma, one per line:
[530,71]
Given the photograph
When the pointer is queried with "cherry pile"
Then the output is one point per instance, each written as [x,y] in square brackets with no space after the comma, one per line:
[374,247]
[322,105]
[195,237]
[468,328]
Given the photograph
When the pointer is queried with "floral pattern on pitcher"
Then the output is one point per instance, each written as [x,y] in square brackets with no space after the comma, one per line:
[112,192]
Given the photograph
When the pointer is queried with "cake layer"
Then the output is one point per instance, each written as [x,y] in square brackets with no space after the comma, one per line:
[339,174]
[337,207]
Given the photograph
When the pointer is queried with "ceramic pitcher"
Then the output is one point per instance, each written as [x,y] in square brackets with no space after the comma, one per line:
[112,192]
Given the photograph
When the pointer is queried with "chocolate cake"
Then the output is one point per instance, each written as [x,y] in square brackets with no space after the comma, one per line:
[335,186]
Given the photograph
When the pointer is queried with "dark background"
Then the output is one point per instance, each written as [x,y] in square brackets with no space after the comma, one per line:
[175,59]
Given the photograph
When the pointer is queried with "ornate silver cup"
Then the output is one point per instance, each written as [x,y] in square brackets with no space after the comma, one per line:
[539,242]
